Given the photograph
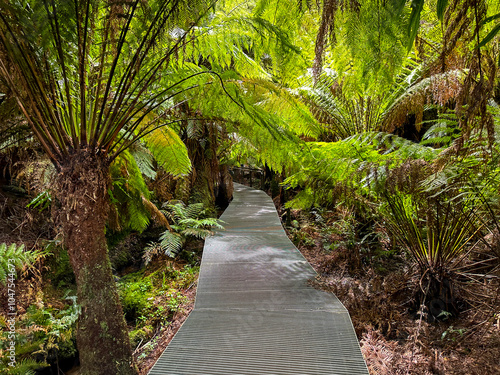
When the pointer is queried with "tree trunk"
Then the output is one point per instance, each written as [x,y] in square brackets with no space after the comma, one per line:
[81,211]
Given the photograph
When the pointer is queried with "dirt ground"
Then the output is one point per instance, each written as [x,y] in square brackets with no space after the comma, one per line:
[163,337]
[394,341]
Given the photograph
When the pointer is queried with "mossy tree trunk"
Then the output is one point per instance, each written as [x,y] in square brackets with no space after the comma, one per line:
[81,211]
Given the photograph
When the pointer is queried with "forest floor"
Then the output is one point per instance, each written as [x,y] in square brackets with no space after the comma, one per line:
[375,289]
[160,341]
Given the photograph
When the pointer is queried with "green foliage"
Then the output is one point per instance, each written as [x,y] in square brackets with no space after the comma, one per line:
[355,162]
[168,150]
[442,132]
[26,366]
[15,258]
[42,201]
[453,334]
[97,70]
[435,233]
[187,221]
[43,334]
[128,187]
[494,31]
[150,300]
[340,115]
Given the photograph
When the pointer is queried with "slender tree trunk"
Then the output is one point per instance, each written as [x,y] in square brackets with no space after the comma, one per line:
[81,211]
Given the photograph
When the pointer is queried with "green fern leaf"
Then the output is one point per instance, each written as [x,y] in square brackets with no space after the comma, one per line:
[171,243]
[143,159]
[169,151]
[197,232]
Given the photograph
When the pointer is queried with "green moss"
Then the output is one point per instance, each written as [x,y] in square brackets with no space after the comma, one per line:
[151,300]
[140,335]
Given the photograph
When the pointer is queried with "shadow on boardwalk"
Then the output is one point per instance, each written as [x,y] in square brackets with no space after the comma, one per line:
[254,312]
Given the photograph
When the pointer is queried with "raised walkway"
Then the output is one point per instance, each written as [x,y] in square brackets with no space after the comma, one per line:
[254,312]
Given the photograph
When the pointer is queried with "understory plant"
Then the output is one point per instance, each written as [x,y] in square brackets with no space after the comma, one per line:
[44,335]
[188,221]
[150,300]
[438,235]
[16,257]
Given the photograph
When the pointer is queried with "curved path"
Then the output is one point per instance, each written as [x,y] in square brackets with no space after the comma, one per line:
[254,312]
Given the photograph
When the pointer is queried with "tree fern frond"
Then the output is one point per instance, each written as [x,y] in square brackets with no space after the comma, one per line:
[169,151]
[137,217]
[15,258]
[356,162]
[144,160]
[442,133]
[412,96]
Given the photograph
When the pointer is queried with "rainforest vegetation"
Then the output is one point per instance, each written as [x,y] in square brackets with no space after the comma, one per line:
[374,125]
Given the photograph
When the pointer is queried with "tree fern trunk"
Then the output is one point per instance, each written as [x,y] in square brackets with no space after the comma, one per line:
[81,211]
[225,189]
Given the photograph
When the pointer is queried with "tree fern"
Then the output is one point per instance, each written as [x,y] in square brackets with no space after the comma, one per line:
[89,73]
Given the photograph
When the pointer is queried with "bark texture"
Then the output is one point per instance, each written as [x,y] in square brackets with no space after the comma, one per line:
[81,211]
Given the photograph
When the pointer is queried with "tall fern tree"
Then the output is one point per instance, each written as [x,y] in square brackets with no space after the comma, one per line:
[90,73]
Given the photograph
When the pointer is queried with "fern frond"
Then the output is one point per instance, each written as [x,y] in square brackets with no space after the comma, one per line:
[193,210]
[16,256]
[210,223]
[42,201]
[168,150]
[412,95]
[143,159]
[137,217]
[128,189]
[197,232]
[171,243]
[175,210]
[27,366]
[357,162]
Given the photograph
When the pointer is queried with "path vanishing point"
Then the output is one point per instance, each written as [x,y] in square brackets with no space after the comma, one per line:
[254,311]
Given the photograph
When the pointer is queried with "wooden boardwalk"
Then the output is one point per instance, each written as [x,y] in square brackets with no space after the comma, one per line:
[254,312]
